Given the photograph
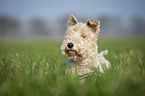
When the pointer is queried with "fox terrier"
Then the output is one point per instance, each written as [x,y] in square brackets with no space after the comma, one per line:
[81,47]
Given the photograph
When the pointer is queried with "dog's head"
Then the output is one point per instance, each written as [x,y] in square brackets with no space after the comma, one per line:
[80,38]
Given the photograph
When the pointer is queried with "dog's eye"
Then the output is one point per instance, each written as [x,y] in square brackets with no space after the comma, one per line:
[83,36]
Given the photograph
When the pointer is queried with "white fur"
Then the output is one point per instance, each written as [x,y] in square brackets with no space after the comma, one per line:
[87,47]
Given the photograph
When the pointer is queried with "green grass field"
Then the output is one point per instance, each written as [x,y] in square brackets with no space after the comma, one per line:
[38,68]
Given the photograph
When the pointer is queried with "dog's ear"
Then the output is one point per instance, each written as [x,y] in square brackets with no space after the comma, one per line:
[71,21]
[94,25]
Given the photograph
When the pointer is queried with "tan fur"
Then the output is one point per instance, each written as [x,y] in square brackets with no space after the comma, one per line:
[83,56]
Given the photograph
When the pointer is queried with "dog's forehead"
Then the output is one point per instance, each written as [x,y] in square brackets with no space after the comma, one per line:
[79,28]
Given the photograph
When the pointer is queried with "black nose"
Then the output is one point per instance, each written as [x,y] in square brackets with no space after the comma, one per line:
[70,45]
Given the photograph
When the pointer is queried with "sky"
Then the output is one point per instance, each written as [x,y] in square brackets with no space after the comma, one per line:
[51,9]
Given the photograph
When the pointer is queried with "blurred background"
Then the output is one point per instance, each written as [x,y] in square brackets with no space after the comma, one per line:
[30,19]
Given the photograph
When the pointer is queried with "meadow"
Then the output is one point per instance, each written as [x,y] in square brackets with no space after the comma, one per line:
[37,68]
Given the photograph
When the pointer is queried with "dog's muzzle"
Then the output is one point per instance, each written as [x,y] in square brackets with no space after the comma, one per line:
[73,54]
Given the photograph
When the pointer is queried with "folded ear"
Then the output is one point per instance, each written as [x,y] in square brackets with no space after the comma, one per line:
[94,25]
[71,21]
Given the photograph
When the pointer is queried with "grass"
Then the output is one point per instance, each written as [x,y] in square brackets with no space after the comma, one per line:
[38,68]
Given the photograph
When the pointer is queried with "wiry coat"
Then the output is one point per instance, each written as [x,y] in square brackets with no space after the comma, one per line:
[83,53]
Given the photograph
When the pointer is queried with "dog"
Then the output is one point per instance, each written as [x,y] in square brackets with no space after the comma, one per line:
[80,45]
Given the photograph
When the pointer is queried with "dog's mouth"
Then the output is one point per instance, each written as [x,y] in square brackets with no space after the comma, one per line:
[73,54]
